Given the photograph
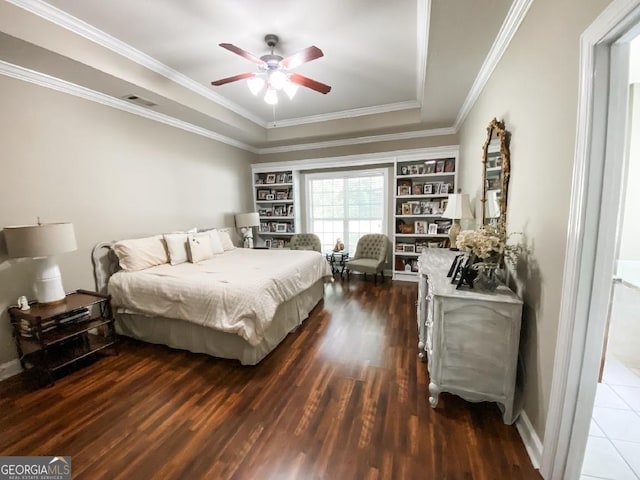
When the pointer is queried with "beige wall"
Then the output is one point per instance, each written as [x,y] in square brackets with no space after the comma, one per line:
[113,174]
[534,89]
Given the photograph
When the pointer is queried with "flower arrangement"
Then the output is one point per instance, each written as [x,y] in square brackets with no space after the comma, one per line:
[489,244]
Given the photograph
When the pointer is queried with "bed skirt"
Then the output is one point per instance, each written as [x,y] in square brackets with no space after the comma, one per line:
[198,339]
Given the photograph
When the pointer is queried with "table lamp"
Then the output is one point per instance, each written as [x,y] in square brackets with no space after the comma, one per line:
[245,222]
[41,242]
[458,208]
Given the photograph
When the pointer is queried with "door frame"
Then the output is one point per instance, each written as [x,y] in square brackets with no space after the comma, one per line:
[592,235]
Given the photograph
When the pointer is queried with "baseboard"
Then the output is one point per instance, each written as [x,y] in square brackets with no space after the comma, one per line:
[10,369]
[530,439]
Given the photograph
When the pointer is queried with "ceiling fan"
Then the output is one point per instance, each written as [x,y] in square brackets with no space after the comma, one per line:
[274,71]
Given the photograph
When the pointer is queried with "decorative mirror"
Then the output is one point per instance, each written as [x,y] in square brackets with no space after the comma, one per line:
[496,170]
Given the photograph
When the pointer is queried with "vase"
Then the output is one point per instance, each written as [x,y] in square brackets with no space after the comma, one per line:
[488,277]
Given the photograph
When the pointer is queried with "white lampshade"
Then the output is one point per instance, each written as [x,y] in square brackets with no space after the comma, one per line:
[492,206]
[255,84]
[244,220]
[41,242]
[271,97]
[458,207]
[290,89]
[277,79]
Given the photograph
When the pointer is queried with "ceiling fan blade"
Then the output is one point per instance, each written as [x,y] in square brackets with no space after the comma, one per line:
[309,83]
[303,56]
[240,76]
[242,53]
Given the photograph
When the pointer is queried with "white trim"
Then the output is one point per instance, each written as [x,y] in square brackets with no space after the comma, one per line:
[530,438]
[423,19]
[9,369]
[342,114]
[589,250]
[507,31]
[359,159]
[44,80]
[79,27]
[388,137]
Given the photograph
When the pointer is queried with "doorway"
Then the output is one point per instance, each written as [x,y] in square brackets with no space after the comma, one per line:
[593,235]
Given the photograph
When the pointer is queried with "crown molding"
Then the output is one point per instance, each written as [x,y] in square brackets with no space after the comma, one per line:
[79,27]
[359,159]
[359,140]
[47,81]
[423,25]
[507,31]
[355,112]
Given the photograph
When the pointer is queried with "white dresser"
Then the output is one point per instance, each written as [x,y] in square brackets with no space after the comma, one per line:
[470,339]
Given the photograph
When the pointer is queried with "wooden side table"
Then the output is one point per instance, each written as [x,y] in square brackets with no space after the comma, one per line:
[50,337]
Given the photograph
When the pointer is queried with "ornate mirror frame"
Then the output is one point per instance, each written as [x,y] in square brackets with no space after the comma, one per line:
[496,129]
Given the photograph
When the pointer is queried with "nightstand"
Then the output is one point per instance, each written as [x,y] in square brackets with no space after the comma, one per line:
[50,337]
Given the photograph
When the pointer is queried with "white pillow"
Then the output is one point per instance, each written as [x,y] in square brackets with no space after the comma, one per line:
[225,240]
[199,247]
[216,244]
[140,253]
[177,247]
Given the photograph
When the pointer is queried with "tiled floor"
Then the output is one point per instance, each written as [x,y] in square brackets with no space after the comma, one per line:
[613,448]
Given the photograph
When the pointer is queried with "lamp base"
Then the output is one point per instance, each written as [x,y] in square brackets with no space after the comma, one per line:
[454,231]
[247,234]
[48,282]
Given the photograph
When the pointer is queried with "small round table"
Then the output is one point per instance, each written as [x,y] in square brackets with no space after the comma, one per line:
[338,261]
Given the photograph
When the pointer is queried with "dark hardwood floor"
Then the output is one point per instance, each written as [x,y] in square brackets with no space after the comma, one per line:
[343,397]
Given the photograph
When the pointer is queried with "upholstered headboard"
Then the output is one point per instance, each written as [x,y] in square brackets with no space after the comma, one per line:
[105,262]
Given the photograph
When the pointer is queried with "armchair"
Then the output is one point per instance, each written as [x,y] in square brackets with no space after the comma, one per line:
[305,241]
[371,253]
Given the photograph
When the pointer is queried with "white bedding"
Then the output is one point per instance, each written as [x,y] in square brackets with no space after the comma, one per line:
[235,292]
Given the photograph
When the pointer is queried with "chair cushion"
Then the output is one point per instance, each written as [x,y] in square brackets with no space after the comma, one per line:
[365,265]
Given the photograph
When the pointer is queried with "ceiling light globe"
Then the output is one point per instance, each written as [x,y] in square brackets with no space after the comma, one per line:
[290,89]
[255,84]
[271,97]
[277,79]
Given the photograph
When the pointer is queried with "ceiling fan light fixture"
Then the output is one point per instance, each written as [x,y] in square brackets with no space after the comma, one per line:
[290,89]
[271,97]
[255,84]
[277,79]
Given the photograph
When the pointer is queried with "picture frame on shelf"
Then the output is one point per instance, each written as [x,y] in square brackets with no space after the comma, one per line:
[439,166]
[265,212]
[270,178]
[404,170]
[406,208]
[290,211]
[289,177]
[450,165]
[416,209]
[267,243]
[433,229]
[420,227]
[413,169]
[281,228]
[444,188]
[417,189]
[264,227]
[442,205]
[279,210]
[421,246]
[281,194]
[400,247]
[262,194]
[427,189]
[420,169]
[270,196]
[290,228]
[281,178]
[409,248]
[430,166]
[404,190]
[260,180]
[426,208]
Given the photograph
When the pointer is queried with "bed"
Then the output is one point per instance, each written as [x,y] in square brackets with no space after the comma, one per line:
[238,305]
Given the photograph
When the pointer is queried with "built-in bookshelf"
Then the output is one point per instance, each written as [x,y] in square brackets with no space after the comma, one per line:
[422,187]
[276,200]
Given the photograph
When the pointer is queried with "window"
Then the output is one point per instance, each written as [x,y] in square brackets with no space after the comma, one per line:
[346,205]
